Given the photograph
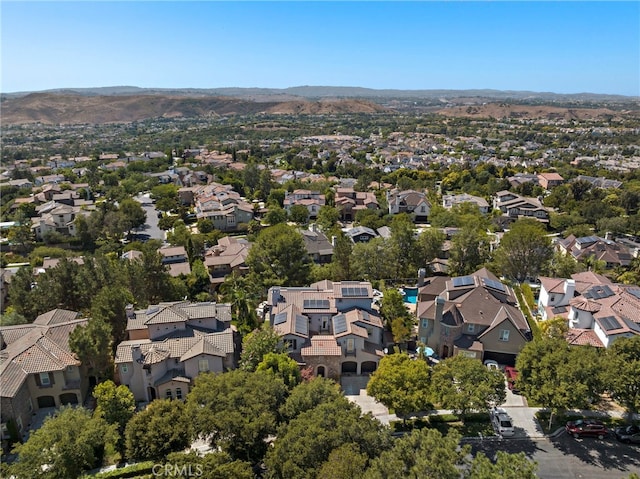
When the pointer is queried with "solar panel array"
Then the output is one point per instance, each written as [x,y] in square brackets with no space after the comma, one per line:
[587,239]
[598,292]
[339,324]
[280,318]
[493,284]
[462,281]
[302,325]
[635,292]
[355,292]
[316,304]
[610,323]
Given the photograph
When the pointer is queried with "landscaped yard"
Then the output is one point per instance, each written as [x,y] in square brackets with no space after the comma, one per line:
[474,424]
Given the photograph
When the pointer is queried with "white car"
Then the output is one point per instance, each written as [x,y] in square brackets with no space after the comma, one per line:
[491,364]
[502,422]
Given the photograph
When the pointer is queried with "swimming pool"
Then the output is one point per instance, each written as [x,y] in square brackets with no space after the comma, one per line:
[410,295]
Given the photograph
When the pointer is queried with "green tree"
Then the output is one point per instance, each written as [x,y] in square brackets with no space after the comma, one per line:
[372,260]
[257,344]
[429,246]
[282,367]
[622,373]
[68,443]
[463,384]
[341,260]
[307,395]
[559,376]
[299,214]
[469,251]
[12,317]
[344,463]
[116,405]
[506,466]
[237,410]
[276,215]
[110,306]
[93,346]
[401,384]
[305,443]
[393,307]
[132,214]
[162,428]
[215,465]
[524,250]
[240,293]
[423,453]
[279,257]
[403,246]
[327,218]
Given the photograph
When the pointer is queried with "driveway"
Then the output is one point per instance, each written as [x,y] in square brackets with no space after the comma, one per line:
[150,230]
[355,390]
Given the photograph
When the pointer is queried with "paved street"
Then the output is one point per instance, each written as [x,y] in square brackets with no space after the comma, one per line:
[150,230]
[567,458]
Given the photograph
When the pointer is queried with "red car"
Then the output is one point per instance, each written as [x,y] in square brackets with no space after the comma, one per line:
[585,428]
[512,375]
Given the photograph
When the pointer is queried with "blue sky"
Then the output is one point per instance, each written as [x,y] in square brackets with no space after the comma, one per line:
[562,47]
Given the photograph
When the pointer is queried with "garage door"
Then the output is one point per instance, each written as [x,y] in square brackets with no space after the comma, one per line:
[46,401]
[349,367]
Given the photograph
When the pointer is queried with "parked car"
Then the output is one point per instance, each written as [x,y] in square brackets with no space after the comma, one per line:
[586,428]
[502,422]
[491,364]
[628,434]
[512,375]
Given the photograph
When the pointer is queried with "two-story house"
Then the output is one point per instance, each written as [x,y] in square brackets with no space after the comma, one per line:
[312,200]
[349,202]
[330,327]
[475,315]
[171,343]
[223,206]
[175,260]
[227,257]
[449,201]
[38,369]
[514,206]
[318,246]
[597,311]
[608,251]
[414,203]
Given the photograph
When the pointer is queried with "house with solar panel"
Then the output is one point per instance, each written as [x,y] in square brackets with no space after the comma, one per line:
[476,315]
[610,252]
[597,311]
[171,343]
[330,327]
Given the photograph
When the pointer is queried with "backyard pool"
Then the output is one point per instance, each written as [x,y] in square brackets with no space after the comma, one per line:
[410,295]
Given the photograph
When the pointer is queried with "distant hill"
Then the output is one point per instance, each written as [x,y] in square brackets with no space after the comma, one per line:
[68,108]
[317,92]
[502,110]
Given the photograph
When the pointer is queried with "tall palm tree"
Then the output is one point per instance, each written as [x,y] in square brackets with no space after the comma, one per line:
[237,291]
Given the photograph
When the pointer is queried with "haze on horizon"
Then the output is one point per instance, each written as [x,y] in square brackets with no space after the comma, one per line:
[559,47]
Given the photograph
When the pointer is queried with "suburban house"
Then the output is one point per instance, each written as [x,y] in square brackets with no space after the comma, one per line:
[475,315]
[175,260]
[349,202]
[597,311]
[312,200]
[414,203]
[360,234]
[318,246]
[449,201]
[330,327]
[599,182]
[514,206]
[38,370]
[601,249]
[550,180]
[56,217]
[170,344]
[227,257]
[223,206]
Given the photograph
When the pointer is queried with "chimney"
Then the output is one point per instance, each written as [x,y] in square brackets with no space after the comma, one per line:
[129,310]
[333,241]
[569,289]
[422,273]
[274,296]
[439,302]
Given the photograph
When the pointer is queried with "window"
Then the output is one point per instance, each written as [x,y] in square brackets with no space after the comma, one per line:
[203,365]
[504,335]
[293,345]
[425,323]
[124,368]
[471,328]
[169,396]
[351,345]
[44,379]
[178,393]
